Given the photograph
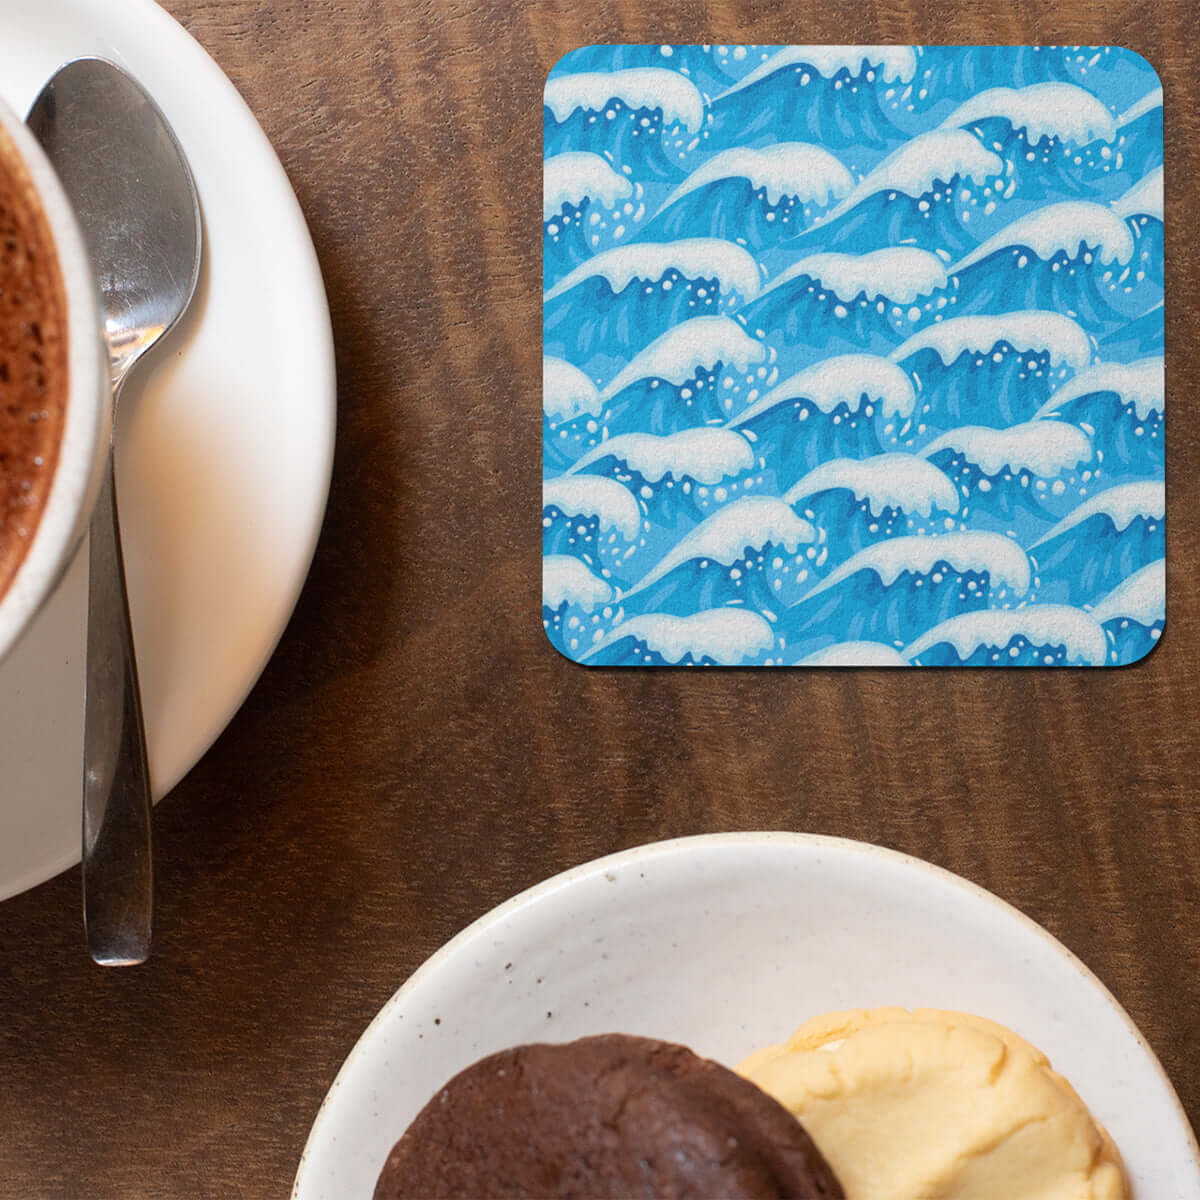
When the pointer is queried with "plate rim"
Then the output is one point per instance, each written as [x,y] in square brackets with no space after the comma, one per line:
[757,838]
[174,41]
[322,349]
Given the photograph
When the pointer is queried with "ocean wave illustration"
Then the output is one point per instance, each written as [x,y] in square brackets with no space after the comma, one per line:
[1143,335]
[712,68]
[856,502]
[1054,138]
[591,518]
[639,116]
[682,378]
[1142,209]
[994,370]
[1069,257]
[924,193]
[853,356]
[827,94]
[1140,135]
[723,637]
[854,654]
[894,590]
[618,301]
[567,392]
[950,73]
[1121,407]
[748,552]
[870,301]
[1102,541]
[757,197]
[1134,613]
[1034,636]
[571,404]
[1144,198]
[578,186]
[1015,478]
[680,477]
[838,407]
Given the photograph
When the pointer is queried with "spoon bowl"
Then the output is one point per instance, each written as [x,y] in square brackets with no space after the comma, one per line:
[133,194]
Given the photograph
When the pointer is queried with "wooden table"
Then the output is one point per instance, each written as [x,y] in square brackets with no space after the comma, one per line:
[401,766]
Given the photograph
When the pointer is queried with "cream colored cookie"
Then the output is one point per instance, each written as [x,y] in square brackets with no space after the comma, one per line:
[930,1105]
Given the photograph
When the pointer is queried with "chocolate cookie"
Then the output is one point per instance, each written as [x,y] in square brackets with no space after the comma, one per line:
[610,1116]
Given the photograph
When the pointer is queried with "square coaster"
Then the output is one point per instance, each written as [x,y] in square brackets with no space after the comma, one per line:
[853,356]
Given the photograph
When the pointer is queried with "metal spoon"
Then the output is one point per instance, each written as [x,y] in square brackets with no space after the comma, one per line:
[133,194]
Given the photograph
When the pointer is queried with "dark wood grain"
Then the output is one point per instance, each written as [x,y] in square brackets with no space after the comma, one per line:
[400,768]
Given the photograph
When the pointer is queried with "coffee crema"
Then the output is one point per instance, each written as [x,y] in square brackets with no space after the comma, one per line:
[34,374]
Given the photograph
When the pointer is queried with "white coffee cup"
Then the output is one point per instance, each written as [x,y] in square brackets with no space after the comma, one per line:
[83,449]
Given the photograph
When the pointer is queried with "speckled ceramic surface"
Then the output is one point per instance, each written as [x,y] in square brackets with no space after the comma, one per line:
[729,942]
[853,355]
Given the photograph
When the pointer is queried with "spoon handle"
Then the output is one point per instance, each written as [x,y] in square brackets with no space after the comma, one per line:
[117,860]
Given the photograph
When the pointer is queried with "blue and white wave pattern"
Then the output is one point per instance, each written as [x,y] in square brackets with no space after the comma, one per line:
[853,356]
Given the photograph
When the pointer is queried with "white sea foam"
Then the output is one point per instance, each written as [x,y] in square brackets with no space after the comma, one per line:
[914,168]
[694,258]
[1001,557]
[843,379]
[706,455]
[1058,110]
[1141,383]
[897,273]
[565,580]
[1150,101]
[726,635]
[1040,624]
[682,350]
[1122,504]
[1044,448]
[1049,332]
[573,177]
[885,481]
[892,64]
[1146,196]
[810,173]
[595,496]
[639,87]
[566,391]
[855,654]
[1069,227]
[1141,598]
[752,521]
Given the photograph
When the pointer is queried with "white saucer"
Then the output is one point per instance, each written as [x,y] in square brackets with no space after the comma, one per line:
[727,943]
[224,447]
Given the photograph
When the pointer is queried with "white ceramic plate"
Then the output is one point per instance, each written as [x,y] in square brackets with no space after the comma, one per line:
[727,943]
[224,445]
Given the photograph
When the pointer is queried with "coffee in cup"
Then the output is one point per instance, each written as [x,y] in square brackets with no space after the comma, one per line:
[34,377]
[55,395]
